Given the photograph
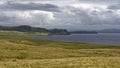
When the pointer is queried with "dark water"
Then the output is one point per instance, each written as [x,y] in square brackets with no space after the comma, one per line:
[101,38]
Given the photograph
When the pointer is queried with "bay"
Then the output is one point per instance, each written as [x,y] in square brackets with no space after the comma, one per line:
[100,38]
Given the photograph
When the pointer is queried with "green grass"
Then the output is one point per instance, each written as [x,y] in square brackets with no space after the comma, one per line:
[6,32]
[22,51]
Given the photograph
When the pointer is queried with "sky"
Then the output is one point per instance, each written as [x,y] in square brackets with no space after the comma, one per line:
[64,14]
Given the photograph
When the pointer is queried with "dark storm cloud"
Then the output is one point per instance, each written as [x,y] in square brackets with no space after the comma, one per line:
[29,6]
[100,1]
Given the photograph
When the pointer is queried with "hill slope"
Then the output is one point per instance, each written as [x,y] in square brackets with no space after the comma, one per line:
[21,51]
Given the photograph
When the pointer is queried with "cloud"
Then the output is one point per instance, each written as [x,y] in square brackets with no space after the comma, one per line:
[88,15]
[101,1]
[114,7]
[28,6]
[32,18]
[62,13]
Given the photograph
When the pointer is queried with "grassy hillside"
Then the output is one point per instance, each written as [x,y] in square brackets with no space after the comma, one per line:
[18,50]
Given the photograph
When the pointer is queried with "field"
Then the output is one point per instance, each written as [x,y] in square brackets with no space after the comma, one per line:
[19,50]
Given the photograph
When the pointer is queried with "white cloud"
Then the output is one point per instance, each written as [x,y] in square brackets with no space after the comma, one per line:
[34,17]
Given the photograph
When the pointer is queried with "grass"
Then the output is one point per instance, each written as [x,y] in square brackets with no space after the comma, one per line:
[83,62]
[23,51]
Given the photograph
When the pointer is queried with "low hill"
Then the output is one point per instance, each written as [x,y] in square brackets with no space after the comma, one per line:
[39,31]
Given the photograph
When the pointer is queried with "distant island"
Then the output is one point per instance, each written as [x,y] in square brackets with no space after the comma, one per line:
[109,31]
[83,32]
[95,31]
[35,30]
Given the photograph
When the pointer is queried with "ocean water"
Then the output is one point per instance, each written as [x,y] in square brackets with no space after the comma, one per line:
[100,38]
